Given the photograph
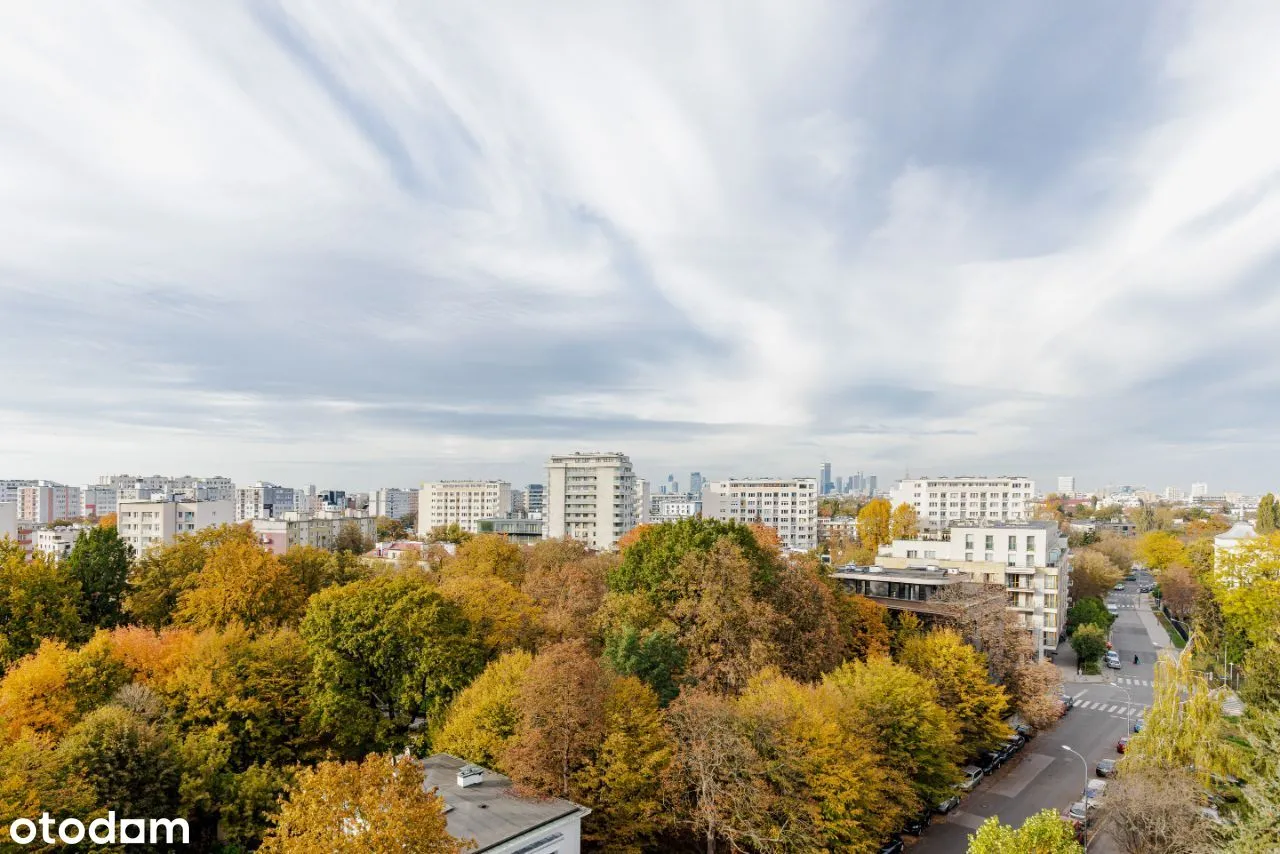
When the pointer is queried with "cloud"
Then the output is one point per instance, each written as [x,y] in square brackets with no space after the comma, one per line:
[375,243]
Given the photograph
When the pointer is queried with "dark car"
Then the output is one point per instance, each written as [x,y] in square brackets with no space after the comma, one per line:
[989,761]
[948,805]
[1122,744]
[1006,751]
[1017,740]
[1027,731]
[893,846]
[1106,768]
[916,825]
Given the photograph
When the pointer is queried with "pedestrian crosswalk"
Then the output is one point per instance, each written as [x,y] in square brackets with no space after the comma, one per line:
[1125,680]
[1109,708]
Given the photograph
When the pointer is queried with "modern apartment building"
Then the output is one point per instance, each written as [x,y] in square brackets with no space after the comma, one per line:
[97,500]
[186,487]
[672,508]
[1030,559]
[155,522]
[265,501]
[9,489]
[393,503]
[56,542]
[643,493]
[1067,486]
[788,505]
[48,501]
[591,497]
[939,501]
[319,529]
[535,497]
[463,503]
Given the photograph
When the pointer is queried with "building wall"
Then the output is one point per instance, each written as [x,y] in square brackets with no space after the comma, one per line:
[941,500]
[97,501]
[462,502]
[144,524]
[392,503]
[9,520]
[319,530]
[264,501]
[9,489]
[590,497]
[56,542]
[789,506]
[48,502]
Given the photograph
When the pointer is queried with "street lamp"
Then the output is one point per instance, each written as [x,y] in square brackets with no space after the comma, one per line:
[1128,725]
[1085,763]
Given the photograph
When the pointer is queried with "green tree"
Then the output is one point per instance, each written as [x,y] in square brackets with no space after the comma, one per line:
[904,524]
[806,631]
[38,599]
[488,556]
[100,561]
[959,673]
[874,524]
[1089,612]
[351,539]
[482,720]
[1268,518]
[1089,642]
[864,626]
[1042,833]
[451,533]
[385,651]
[389,530]
[314,568]
[653,655]
[1246,584]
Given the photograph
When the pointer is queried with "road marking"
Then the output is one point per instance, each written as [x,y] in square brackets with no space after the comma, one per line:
[1081,694]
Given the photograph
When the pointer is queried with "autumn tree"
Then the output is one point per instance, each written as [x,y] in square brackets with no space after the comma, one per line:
[482,720]
[864,626]
[38,599]
[241,582]
[376,805]
[1156,809]
[561,703]
[49,691]
[1035,688]
[491,555]
[163,573]
[1120,550]
[1089,642]
[806,629]
[107,520]
[503,615]
[1089,612]
[1043,833]
[959,673]
[569,592]
[385,651]
[1246,584]
[451,533]
[100,561]
[1268,518]
[904,523]
[1158,550]
[314,569]
[874,524]
[390,530]
[351,539]
[1093,574]
[1179,590]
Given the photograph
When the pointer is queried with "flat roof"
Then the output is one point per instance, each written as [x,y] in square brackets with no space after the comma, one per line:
[911,576]
[489,812]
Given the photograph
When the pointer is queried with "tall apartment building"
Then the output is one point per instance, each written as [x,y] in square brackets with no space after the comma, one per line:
[9,520]
[135,487]
[463,503]
[9,489]
[48,501]
[535,499]
[393,503]
[591,497]
[938,501]
[641,511]
[1067,486]
[320,529]
[265,501]
[788,505]
[1199,490]
[97,500]
[1030,559]
[155,522]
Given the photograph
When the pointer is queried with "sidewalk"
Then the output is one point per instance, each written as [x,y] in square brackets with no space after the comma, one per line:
[1159,637]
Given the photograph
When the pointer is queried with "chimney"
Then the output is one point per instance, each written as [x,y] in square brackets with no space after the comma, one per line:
[470,775]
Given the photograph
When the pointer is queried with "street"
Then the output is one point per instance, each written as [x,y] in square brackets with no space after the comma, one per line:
[1045,776]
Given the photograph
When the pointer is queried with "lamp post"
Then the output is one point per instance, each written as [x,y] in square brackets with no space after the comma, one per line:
[1128,724]
[1085,763]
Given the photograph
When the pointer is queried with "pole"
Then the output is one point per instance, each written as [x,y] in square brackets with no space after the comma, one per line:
[1128,724]
[1085,763]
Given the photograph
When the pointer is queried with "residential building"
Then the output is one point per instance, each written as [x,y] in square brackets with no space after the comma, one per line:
[329,500]
[463,503]
[393,503]
[9,489]
[1067,486]
[319,529]
[837,527]
[97,501]
[1199,490]
[695,483]
[672,508]
[642,508]
[1227,543]
[9,520]
[516,530]
[156,522]
[591,497]
[188,488]
[482,805]
[535,499]
[939,501]
[48,501]
[264,501]
[518,507]
[56,542]
[1030,559]
[788,505]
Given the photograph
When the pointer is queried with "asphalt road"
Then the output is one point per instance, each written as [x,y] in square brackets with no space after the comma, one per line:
[1045,776]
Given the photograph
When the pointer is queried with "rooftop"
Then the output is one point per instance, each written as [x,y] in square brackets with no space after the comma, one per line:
[489,812]
[912,575]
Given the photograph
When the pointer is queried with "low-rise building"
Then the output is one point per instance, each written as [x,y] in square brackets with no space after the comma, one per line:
[463,503]
[1228,543]
[514,529]
[319,529]
[673,508]
[482,805]
[788,505]
[56,542]
[837,528]
[156,522]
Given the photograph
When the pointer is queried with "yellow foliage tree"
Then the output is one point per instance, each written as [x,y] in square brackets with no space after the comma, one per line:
[905,523]
[959,672]
[34,699]
[240,582]
[1246,583]
[1159,549]
[482,720]
[506,617]
[488,554]
[874,524]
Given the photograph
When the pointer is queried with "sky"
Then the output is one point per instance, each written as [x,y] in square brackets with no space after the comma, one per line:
[362,244]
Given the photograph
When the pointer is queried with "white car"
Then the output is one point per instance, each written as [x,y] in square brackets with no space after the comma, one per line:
[1113,608]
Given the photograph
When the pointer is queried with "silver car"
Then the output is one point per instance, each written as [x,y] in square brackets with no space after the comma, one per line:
[972,777]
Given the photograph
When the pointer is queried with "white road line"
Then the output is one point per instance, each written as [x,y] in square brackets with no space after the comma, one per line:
[1081,694]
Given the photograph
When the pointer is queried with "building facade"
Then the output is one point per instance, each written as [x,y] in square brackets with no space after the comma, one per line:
[97,501]
[591,497]
[9,489]
[463,503]
[393,503]
[643,497]
[156,522]
[939,501]
[9,520]
[265,501]
[788,505]
[319,529]
[47,502]
[535,499]
[673,508]
[1030,559]
[1067,486]
[56,542]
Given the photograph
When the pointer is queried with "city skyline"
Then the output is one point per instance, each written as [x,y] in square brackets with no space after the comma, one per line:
[374,246]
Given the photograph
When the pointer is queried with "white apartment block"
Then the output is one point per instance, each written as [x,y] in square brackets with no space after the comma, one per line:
[97,501]
[837,528]
[143,524]
[56,542]
[393,503]
[1030,559]
[591,497]
[673,508]
[939,501]
[788,505]
[1067,486]
[136,487]
[319,529]
[265,501]
[642,508]
[9,520]
[47,502]
[463,503]
[9,489]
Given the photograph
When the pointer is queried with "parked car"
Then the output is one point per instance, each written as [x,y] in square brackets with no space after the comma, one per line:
[1122,745]
[1067,700]
[916,824]
[948,805]
[893,846]
[1113,608]
[1137,725]
[972,777]
[1119,586]
[1106,768]
[1096,789]
[1017,740]
[1146,588]
[1077,814]
[1006,751]
[1113,662]
[1027,731]
[988,761]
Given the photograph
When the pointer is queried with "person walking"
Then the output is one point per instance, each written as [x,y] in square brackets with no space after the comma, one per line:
[1135,658]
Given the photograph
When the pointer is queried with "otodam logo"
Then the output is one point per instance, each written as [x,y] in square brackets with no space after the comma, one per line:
[100,831]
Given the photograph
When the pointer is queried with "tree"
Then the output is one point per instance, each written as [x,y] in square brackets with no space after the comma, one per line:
[351,539]
[385,651]
[1089,642]
[504,616]
[905,523]
[451,533]
[959,673]
[806,631]
[390,530]
[163,573]
[653,655]
[482,720]
[100,562]
[488,555]
[38,599]
[1246,584]
[1042,833]
[314,569]
[1156,810]
[1119,549]
[1158,550]
[1089,612]
[561,705]
[1198,557]
[1179,590]
[107,520]
[240,582]
[377,805]
[864,626]
[1268,518]
[1035,688]
[568,592]
[1092,574]
[874,524]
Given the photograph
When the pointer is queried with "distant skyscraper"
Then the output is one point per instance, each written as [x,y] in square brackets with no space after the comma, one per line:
[871,484]
[695,482]
[1199,490]
[1067,485]
[824,479]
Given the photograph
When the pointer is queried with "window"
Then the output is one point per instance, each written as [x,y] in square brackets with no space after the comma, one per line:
[968,541]
[1031,544]
[991,541]
[931,554]
[968,556]
[1031,560]
[1013,544]
[912,553]
[989,556]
